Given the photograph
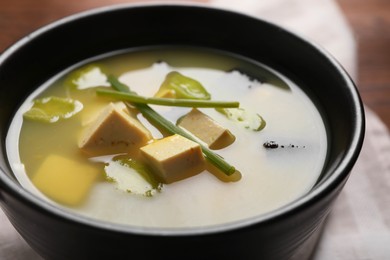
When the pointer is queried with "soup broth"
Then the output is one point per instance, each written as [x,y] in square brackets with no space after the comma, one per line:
[277,164]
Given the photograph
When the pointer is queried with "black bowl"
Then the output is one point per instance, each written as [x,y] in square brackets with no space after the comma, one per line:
[281,234]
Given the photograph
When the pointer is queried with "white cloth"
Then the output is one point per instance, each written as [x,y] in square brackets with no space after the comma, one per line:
[359,224]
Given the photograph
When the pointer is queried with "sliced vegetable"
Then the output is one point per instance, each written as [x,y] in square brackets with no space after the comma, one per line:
[244,117]
[87,77]
[53,109]
[179,86]
[157,119]
[132,176]
[166,101]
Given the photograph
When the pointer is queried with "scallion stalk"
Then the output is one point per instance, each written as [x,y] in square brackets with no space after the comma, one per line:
[134,98]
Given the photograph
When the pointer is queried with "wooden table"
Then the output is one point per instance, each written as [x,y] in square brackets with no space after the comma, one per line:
[370,21]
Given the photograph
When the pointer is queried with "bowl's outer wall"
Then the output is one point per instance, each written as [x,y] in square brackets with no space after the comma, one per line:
[56,238]
[53,49]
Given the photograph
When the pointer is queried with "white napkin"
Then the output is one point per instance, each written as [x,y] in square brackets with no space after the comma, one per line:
[359,224]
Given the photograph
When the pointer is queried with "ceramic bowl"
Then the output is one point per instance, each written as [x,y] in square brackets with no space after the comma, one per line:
[290,231]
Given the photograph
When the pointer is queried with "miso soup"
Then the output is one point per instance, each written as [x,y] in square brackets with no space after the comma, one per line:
[275,139]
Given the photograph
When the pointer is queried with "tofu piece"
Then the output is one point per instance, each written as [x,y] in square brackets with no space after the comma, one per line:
[96,109]
[174,158]
[64,180]
[114,131]
[206,129]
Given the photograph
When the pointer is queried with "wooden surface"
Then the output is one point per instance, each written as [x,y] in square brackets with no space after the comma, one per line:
[369,20]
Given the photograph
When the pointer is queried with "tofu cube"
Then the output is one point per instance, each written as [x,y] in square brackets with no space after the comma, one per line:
[174,158]
[114,131]
[206,129]
[64,180]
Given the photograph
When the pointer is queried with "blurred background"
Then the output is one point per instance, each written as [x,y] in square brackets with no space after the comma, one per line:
[370,24]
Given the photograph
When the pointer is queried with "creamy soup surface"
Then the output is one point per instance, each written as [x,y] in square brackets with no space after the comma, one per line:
[270,177]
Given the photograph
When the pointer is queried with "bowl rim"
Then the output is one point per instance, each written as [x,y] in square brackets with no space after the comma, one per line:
[339,174]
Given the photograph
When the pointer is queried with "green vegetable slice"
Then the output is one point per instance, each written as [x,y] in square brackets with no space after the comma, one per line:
[53,109]
[87,77]
[166,101]
[132,176]
[181,86]
[244,117]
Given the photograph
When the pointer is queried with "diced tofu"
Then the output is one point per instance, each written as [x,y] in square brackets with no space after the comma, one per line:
[64,180]
[114,131]
[96,109]
[174,158]
[206,129]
